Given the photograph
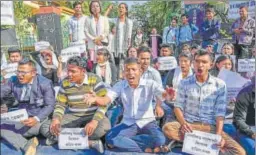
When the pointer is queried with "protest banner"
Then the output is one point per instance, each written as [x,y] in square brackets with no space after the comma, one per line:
[167,63]
[70,52]
[234,82]
[233,12]
[73,138]
[14,116]
[246,65]
[10,70]
[7,13]
[201,143]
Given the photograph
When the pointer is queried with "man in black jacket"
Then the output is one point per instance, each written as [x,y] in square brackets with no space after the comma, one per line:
[244,117]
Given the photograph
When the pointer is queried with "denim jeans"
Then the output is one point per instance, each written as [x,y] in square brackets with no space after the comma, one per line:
[131,138]
[247,143]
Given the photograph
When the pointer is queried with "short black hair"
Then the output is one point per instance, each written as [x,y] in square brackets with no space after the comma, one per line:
[175,18]
[143,49]
[195,46]
[241,7]
[13,50]
[210,10]
[77,61]
[185,15]
[187,55]
[28,61]
[104,51]
[166,46]
[131,61]
[77,3]
[202,52]
[90,6]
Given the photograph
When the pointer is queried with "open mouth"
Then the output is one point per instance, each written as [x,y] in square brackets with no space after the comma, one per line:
[200,71]
[131,79]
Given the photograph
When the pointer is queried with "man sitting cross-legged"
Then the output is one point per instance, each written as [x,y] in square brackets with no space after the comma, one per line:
[138,131]
[70,97]
[201,105]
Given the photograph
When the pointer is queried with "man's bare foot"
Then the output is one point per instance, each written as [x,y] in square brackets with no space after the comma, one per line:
[148,150]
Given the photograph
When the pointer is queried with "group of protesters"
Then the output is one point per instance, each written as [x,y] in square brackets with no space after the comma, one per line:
[119,70]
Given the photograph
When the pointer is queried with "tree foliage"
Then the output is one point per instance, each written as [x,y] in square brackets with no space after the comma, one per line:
[154,13]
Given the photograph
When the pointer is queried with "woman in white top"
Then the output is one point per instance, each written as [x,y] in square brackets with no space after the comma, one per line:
[96,29]
[123,31]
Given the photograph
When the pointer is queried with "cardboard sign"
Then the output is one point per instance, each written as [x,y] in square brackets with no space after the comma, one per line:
[167,63]
[232,93]
[201,143]
[246,65]
[73,138]
[10,70]
[7,13]
[14,116]
[41,45]
[70,52]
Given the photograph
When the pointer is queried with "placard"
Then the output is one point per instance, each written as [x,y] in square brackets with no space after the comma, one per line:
[7,13]
[232,93]
[246,65]
[73,138]
[201,143]
[10,70]
[167,63]
[14,116]
[70,52]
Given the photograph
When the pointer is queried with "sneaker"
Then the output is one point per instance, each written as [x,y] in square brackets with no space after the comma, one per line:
[50,141]
[97,145]
[32,148]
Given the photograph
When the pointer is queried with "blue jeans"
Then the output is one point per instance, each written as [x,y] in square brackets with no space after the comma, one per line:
[247,143]
[230,130]
[131,138]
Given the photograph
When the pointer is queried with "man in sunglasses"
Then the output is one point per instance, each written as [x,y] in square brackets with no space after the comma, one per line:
[34,93]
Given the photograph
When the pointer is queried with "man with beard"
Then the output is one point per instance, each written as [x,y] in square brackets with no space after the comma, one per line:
[201,105]
[138,131]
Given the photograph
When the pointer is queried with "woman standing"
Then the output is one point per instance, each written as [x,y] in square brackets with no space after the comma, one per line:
[123,31]
[96,30]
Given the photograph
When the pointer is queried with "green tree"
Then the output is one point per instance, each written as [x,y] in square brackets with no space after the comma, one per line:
[154,14]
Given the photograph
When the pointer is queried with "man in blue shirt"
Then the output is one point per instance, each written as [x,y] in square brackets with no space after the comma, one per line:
[185,32]
[201,105]
[210,30]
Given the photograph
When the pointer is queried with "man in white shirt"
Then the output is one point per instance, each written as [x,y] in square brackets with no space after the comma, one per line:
[76,25]
[138,131]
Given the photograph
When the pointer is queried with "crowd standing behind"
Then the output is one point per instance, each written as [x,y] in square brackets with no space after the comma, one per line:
[158,106]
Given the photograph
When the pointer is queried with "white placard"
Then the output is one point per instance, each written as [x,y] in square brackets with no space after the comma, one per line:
[10,70]
[232,93]
[234,82]
[73,138]
[233,12]
[7,13]
[14,116]
[42,45]
[201,143]
[246,65]
[167,63]
[70,52]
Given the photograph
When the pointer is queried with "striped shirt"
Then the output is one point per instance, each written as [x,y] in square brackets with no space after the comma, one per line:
[71,95]
[202,102]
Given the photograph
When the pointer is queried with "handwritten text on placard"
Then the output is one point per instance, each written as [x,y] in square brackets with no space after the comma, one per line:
[14,116]
[167,63]
[246,65]
[73,138]
[201,143]
[70,52]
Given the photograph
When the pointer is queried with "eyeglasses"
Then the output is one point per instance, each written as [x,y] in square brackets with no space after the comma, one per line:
[22,72]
